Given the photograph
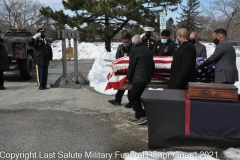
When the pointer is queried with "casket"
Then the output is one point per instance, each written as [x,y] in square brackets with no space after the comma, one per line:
[212,91]
[161,74]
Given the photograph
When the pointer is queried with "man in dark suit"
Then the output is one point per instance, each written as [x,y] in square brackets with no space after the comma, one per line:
[165,46]
[224,58]
[42,56]
[123,50]
[139,73]
[147,40]
[183,67]
[200,48]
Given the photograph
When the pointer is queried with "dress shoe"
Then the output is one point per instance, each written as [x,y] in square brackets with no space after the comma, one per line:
[128,105]
[114,102]
[41,88]
[133,119]
[141,120]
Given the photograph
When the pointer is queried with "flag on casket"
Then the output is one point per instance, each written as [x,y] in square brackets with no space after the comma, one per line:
[207,73]
[117,77]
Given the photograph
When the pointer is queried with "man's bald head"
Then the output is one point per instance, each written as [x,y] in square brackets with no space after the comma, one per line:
[183,32]
[194,35]
[182,35]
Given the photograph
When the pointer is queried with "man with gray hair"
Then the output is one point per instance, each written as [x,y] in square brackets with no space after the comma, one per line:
[200,48]
[140,70]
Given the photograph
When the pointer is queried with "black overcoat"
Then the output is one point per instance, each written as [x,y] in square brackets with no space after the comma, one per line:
[183,67]
[141,64]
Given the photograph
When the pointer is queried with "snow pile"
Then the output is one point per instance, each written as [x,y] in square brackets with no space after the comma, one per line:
[98,74]
[237,51]
[232,153]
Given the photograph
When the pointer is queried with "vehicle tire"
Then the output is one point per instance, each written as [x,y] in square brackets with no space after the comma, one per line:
[26,67]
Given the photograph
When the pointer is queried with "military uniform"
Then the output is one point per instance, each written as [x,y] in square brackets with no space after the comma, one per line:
[42,56]
[149,43]
[147,40]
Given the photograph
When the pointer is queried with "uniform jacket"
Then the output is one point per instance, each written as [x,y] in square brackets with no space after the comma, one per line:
[201,50]
[43,51]
[141,64]
[161,49]
[224,58]
[4,65]
[183,67]
[148,42]
[121,50]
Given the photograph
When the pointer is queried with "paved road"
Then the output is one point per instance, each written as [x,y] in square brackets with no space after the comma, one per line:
[62,123]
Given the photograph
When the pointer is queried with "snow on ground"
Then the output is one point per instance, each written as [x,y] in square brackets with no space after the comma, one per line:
[97,78]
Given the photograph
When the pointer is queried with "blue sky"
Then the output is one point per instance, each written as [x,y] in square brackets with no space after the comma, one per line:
[57,5]
[184,3]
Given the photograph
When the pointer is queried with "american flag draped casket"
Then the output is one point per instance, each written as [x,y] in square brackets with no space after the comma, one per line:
[117,77]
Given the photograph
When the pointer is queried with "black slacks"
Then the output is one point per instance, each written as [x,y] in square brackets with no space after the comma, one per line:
[134,98]
[119,95]
[42,75]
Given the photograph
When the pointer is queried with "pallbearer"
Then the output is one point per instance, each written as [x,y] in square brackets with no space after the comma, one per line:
[42,56]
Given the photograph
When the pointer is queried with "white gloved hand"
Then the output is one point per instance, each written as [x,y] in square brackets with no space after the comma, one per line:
[37,35]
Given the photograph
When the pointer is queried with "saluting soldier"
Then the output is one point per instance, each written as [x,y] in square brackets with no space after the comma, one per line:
[147,40]
[42,56]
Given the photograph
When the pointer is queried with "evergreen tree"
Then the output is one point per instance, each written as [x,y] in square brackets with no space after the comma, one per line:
[190,16]
[107,17]
[171,27]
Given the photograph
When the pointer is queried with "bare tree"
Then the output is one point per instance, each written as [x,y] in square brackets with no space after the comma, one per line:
[224,14]
[19,13]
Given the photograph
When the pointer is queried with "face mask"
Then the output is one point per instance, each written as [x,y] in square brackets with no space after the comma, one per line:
[125,45]
[216,41]
[164,41]
[193,41]
[148,34]
[177,41]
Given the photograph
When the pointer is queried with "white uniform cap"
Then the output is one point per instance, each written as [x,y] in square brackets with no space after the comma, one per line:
[148,29]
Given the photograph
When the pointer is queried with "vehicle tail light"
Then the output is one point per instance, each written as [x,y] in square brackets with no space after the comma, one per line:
[17,53]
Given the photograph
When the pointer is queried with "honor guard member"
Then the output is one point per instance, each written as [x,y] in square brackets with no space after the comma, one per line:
[147,40]
[42,56]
